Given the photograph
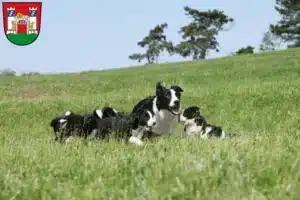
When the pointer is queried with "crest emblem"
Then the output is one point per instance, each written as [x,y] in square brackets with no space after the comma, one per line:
[22,21]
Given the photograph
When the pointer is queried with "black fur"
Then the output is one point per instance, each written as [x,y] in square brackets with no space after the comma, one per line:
[163,98]
[191,112]
[84,125]
[117,127]
[91,119]
[74,125]
[121,126]
[56,125]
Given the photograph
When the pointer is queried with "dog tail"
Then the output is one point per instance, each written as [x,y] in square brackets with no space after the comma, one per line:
[69,112]
[222,134]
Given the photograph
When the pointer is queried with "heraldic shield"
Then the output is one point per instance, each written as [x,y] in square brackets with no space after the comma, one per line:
[22,21]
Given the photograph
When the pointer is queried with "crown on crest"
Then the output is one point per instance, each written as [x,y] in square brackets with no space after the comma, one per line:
[11,9]
[32,8]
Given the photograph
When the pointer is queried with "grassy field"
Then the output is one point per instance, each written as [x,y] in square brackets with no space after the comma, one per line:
[254,95]
[22,39]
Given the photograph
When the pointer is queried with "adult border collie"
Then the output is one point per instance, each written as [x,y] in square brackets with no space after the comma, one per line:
[165,106]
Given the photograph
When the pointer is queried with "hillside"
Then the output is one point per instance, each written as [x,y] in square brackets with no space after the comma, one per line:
[254,95]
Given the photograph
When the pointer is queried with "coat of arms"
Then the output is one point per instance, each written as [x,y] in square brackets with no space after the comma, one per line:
[22,21]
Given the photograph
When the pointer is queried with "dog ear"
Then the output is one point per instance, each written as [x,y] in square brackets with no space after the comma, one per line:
[197,109]
[159,89]
[177,88]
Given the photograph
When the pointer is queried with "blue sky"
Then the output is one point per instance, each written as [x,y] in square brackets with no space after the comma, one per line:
[78,36]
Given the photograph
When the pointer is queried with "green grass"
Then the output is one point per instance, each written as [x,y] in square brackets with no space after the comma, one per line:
[22,38]
[255,95]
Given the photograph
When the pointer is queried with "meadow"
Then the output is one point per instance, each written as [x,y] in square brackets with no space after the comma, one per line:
[256,96]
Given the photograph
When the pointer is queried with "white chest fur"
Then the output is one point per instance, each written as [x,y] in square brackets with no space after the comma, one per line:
[166,122]
[193,130]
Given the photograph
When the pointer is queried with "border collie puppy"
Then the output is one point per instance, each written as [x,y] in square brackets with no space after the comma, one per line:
[103,113]
[196,125]
[165,106]
[91,119]
[56,125]
[84,125]
[122,126]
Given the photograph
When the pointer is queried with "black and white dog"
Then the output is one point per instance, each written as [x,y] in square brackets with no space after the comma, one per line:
[122,126]
[56,124]
[84,125]
[196,125]
[165,106]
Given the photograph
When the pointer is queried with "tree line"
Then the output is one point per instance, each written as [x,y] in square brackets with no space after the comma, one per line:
[200,35]
[10,72]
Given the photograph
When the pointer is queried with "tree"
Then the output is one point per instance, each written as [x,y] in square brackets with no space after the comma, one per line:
[200,35]
[288,28]
[245,50]
[30,74]
[269,42]
[7,72]
[296,44]
[155,43]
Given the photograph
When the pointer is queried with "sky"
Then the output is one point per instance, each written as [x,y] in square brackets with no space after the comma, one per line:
[94,34]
